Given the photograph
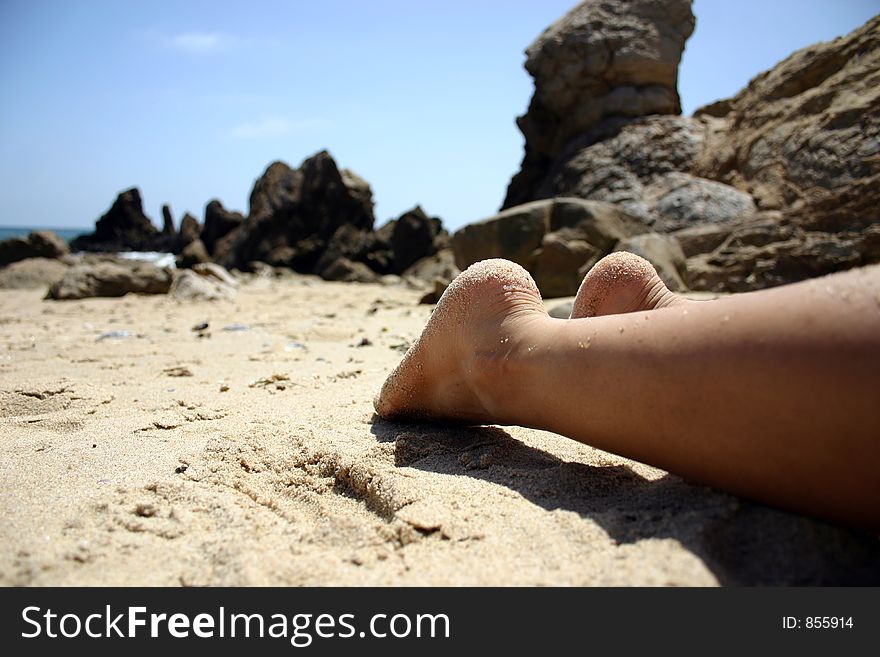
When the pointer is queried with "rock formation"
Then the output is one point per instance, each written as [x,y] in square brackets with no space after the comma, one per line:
[294,213]
[602,64]
[124,227]
[168,230]
[779,183]
[219,222]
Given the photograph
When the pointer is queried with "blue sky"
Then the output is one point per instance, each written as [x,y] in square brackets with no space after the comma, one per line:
[192,100]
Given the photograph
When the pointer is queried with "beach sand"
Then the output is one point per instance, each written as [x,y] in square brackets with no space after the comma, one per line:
[253,457]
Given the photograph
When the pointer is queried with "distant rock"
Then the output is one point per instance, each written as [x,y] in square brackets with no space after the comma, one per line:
[168,230]
[32,273]
[294,213]
[557,240]
[219,222]
[192,254]
[602,64]
[38,244]
[440,266]
[343,269]
[190,286]
[124,227]
[189,231]
[111,279]
[411,237]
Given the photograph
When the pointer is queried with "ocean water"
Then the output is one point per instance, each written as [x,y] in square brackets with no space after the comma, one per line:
[18,231]
[158,259]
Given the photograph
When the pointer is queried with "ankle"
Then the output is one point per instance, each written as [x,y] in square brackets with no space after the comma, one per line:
[500,375]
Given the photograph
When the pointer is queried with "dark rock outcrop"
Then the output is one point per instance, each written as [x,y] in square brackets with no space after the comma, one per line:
[38,244]
[168,230]
[294,213]
[193,254]
[124,227]
[557,240]
[401,242]
[219,222]
[189,231]
[602,64]
[111,279]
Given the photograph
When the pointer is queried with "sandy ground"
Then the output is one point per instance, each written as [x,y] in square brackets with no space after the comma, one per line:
[252,457]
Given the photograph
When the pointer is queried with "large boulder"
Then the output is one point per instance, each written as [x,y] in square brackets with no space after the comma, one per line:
[295,212]
[557,240]
[402,242]
[111,279]
[124,227]
[219,222]
[32,273]
[605,62]
[644,168]
[38,244]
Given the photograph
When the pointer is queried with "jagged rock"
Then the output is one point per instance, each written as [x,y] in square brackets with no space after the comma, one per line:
[604,62]
[412,238]
[32,273]
[111,279]
[192,254]
[804,136]
[557,240]
[189,230]
[662,251]
[168,230]
[295,212]
[124,227]
[219,222]
[38,244]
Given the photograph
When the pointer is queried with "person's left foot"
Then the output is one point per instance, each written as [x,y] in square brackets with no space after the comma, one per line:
[454,370]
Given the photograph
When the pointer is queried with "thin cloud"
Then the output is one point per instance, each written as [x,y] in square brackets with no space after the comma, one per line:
[277,127]
[201,42]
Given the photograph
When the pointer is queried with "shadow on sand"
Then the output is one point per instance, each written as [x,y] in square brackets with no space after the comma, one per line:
[741,542]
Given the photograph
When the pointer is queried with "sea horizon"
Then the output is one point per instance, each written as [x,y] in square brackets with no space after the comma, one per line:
[67,234]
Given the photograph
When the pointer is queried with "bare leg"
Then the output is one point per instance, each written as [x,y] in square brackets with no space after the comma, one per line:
[772,395]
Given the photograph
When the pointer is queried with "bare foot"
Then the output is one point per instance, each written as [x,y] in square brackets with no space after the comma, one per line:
[622,283]
[450,373]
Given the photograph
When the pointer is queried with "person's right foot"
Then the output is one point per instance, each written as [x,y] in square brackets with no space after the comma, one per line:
[622,282]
